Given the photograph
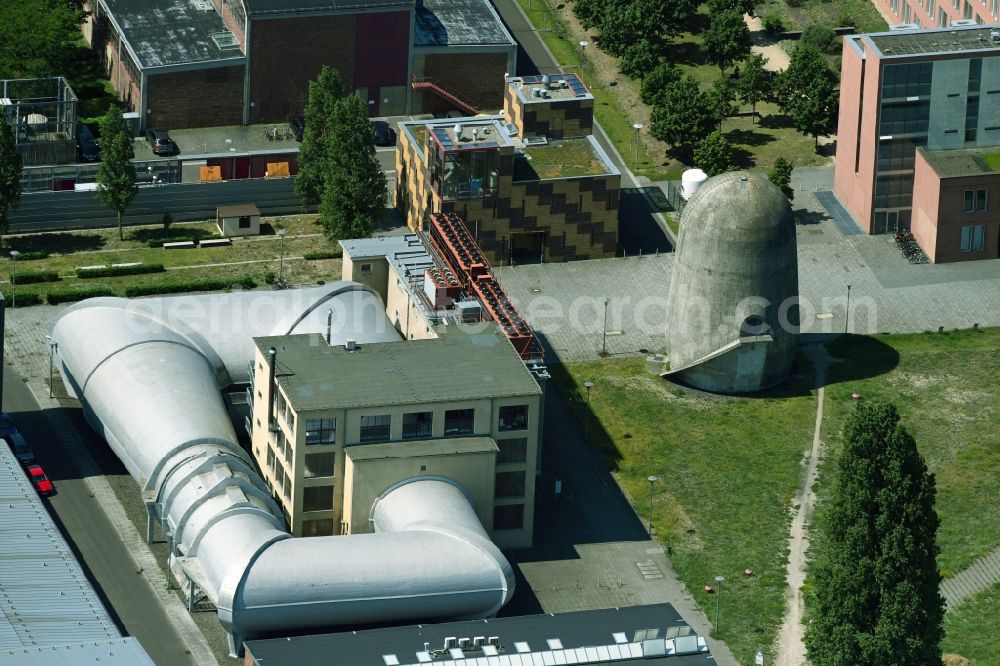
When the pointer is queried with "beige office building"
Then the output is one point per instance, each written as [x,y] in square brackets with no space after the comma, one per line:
[335,428]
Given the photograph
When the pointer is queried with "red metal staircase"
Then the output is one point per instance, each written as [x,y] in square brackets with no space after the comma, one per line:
[444,93]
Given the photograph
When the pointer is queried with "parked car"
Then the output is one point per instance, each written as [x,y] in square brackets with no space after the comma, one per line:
[160,142]
[40,481]
[298,125]
[7,426]
[20,447]
[384,135]
[87,149]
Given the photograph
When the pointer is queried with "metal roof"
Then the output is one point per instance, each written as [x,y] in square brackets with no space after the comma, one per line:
[125,651]
[465,363]
[296,6]
[459,23]
[45,598]
[521,635]
[942,40]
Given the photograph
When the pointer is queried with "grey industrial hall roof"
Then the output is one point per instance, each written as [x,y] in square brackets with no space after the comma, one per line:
[961,162]
[123,651]
[458,23]
[171,32]
[573,630]
[298,6]
[942,40]
[45,598]
[465,363]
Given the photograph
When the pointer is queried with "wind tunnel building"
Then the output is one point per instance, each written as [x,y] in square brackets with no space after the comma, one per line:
[150,374]
[732,311]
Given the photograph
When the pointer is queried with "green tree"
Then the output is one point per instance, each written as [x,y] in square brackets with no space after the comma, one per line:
[683,116]
[626,22]
[781,175]
[807,91]
[821,37]
[354,196]
[590,12]
[875,583]
[38,37]
[714,155]
[639,60]
[754,84]
[10,173]
[727,38]
[720,100]
[325,92]
[742,6]
[656,81]
[116,175]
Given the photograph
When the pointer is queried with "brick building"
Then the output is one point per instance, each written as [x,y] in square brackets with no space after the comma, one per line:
[226,62]
[938,13]
[904,90]
[531,183]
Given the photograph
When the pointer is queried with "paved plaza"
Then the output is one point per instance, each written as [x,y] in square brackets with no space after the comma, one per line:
[565,302]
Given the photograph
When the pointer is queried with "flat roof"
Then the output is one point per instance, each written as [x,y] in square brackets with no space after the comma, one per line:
[174,32]
[963,162]
[473,133]
[45,598]
[561,158]
[422,447]
[551,86]
[465,363]
[896,43]
[124,651]
[459,23]
[407,245]
[595,633]
[224,141]
[311,6]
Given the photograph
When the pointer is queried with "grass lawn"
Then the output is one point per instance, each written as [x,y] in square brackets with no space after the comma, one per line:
[252,256]
[971,629]
[729,468]
[945,387]
[860,13]
[992,160]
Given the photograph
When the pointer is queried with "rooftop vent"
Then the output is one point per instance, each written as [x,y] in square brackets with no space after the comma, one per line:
[545,79]
[995,35]
[351,345]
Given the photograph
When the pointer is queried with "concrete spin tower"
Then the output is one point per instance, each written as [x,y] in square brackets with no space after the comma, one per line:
[732,311]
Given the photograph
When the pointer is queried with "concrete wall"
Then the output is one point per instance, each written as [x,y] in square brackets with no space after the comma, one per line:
[195,98]
[404,313]
[476,77]
[375,275]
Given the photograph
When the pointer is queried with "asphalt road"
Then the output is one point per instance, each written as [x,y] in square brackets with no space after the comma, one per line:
[127,595]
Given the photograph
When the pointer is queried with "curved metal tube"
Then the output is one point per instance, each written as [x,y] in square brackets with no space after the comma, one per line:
[148,374]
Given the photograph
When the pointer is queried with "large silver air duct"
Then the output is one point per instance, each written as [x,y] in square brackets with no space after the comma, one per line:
[148,374]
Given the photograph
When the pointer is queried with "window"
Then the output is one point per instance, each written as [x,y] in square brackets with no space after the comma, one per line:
[930,8]
[279,403]
[321,431]
[366,268]
[317,498]
[973,238]
[509,484]
[894,6]
[906,12]
[459,421]
[967,11]
[374,428]
[417,424]
[319,464]
[508,517]
[287,484]
[270,459]
[514,417]
[993,8]
[975,201]
[321,527]
[512,450]
[244,222]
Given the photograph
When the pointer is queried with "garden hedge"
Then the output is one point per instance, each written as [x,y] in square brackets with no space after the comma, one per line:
[71,295]
[184,286]
[34,277]
[115,271]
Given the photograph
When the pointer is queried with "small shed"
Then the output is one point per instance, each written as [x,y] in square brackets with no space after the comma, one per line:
[238,220]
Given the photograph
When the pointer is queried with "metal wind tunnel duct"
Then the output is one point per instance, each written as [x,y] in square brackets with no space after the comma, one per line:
[148,374]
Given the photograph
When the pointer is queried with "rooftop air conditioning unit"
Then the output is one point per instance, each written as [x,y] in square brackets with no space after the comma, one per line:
[351,345]
[995,35]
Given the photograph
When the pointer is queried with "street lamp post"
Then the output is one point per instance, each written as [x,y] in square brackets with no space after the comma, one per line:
[718,600]
[588,386]
[636,127]
[281,260]
[652,480]
[13,278]
[53,348]
[847,314]
[604,331]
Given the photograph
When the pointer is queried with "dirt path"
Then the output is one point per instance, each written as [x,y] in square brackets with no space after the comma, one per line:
[791,648]
[777,59]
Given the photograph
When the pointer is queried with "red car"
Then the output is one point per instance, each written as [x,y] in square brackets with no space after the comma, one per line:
[42,483]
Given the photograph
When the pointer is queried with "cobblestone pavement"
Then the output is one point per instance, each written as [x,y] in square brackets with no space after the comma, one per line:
[978,576]
[565,302]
